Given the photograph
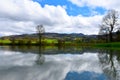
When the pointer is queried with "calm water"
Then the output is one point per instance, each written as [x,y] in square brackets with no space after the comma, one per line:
[33,63]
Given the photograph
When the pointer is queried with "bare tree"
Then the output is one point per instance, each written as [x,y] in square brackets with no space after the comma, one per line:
[103,33]
[110,23]
[40,31]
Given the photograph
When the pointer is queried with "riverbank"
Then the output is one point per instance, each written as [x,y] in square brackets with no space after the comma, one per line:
[54,42]
[112,44]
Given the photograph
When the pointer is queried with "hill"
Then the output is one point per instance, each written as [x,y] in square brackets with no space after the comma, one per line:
[52,35]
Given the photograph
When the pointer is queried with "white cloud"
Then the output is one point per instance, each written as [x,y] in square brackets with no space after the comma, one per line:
[107,4]
[22,16]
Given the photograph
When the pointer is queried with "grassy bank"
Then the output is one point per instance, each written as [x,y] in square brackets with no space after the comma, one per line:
[112,44]
[45,42]
[55,42]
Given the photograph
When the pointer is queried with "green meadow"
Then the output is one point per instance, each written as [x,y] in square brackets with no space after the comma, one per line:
[112,44]
[55,42]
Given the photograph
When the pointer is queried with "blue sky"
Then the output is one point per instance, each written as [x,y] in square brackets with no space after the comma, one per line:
[58,16]
[72,9]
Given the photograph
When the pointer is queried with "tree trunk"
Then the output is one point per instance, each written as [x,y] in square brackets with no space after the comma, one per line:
[110,37]
[40,37]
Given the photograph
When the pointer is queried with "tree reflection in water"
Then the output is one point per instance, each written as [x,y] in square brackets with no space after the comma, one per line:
[40,58]
[110,60]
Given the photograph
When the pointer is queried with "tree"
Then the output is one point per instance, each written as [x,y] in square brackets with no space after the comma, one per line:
[40,31]
[110,23]
[103,33]
[13,41]
[118,35]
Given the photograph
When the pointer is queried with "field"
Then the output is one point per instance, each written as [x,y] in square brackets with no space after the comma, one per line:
[5,41]
[55,42]
[113,44]
[26,41]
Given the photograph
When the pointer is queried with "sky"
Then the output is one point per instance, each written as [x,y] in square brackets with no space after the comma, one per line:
[59,16]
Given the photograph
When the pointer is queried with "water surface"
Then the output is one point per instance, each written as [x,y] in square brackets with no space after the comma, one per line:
[34,63]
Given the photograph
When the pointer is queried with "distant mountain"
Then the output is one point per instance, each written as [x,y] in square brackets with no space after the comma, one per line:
[52,35]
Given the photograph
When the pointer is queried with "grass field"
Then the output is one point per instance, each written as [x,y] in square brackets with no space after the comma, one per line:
[51,40]
[113,44]
[24,41]
[5,41]
[67,43]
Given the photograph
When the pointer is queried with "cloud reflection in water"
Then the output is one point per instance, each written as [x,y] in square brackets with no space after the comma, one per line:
[56,67]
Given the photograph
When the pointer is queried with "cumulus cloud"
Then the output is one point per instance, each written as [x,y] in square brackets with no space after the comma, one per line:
[111,4]
[22,16]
